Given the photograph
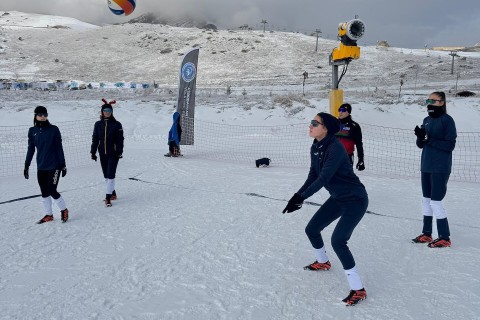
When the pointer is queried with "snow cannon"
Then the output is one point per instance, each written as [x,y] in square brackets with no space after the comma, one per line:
[348,34]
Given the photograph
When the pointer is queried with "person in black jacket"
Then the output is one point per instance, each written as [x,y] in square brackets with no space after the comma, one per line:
[46,138]
[437,138]
[331,169]
[107,138]
[350,135]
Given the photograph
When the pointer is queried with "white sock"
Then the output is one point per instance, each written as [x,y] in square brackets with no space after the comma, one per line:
[353,279]
[438,209]
[60,203]
[321,255]
[47,205]
[110,185]
[426,208]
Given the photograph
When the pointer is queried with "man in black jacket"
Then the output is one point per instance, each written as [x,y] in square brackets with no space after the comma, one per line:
[350,135]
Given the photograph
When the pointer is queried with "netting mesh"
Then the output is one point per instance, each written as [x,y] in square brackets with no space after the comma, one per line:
[76,140]
[388,151]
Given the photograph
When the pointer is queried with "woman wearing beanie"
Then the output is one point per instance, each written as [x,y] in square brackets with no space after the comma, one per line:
[107,138]
[437,138]
[47,140]
[331,169]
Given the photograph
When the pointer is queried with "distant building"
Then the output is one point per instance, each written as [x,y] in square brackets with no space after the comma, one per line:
[448,48]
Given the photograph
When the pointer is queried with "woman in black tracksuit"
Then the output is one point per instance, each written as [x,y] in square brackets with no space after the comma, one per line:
[437,138]
[107,138]
[331,169]
[46,138]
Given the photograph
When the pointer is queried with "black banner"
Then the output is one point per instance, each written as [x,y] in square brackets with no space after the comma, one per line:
[186,95]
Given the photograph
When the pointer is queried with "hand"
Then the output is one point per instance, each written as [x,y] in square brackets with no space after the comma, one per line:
[360,165]
[25,173]
[294,203]
[420,133]
[64,172]
[94,157]
[119,156]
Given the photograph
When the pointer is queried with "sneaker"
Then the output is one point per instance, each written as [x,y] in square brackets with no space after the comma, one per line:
[113,197]
[440,243]
[64,214]
[47,218]
[355,296]
[108,203]
[423,238]
[317,266]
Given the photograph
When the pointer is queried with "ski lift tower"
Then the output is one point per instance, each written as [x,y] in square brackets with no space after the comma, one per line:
[348,34]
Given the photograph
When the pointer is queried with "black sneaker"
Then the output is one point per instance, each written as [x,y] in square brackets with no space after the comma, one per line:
[108,203]
[47,218]
[64,215]
[355,296]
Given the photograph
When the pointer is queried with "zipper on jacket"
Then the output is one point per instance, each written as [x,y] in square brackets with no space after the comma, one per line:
[105,138]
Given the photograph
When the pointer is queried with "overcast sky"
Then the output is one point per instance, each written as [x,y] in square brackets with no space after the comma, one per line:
[406,23]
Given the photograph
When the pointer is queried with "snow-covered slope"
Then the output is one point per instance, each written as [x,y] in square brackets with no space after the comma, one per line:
[20,20]
[143,52]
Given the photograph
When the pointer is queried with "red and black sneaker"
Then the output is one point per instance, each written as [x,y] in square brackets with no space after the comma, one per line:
[114,195]
[318,266]
[108,203]
[64,215]
[47,218]
[440,243]
[355,296]
[423,238]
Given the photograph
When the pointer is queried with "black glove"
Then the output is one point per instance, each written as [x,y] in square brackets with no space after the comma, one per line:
[94,156]
[420,133]
[119,156]
[360,165]
[25,173]
[294,203]
[64,171]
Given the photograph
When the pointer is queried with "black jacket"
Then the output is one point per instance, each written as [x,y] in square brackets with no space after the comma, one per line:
[107,137]
[48,141]
[331,169]
[350,135]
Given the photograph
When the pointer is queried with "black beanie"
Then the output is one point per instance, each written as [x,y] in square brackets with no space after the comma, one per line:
[346,106]
[330,122]
[40,109]
[107,106]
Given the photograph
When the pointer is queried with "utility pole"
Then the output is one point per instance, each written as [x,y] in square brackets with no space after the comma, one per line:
[264,23]
[317,31]
[453,54]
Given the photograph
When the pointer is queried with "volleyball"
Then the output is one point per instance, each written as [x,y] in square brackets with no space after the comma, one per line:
[121,7]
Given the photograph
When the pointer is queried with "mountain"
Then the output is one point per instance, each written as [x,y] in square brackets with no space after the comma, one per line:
[31,50]
[185,22]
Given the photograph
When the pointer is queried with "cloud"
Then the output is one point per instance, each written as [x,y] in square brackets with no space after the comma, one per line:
[407,23]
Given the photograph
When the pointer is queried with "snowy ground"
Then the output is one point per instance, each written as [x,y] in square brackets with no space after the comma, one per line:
[186,241]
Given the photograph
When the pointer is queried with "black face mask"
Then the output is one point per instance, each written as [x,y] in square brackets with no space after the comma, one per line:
[434,111]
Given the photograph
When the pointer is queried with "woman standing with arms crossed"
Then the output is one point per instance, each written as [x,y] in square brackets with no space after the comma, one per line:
[331,169]
[46,138]
[107,138]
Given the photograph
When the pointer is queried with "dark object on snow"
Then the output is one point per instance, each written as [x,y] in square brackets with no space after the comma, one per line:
[465,94]
[264,162]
